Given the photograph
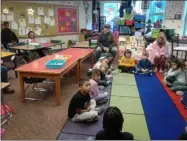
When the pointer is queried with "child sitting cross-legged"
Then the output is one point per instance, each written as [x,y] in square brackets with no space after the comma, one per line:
[112,126]
[180,87]
[81,107]
[96,94]
[175,75]
[127,63]
[144,66]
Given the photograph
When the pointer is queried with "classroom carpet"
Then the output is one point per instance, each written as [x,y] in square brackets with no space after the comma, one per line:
[150,110]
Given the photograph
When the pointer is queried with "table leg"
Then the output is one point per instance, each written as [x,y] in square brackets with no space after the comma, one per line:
[185,55]
[92,60]
[57,88]
[15,65]
[61,46]
[78,71]
[22,88]
[177,54]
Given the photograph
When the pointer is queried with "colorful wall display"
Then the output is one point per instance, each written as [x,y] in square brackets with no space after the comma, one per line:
[67,20]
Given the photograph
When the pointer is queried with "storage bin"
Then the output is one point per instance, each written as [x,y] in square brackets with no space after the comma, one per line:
[139,17]
[55,64]
[128,22]
[124,30]
[139,25]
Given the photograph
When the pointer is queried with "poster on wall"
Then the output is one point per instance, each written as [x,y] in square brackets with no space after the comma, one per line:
[67,20]
[174,10]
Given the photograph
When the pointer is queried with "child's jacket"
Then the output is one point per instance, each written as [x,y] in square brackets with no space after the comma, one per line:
[130,62]
[145,64]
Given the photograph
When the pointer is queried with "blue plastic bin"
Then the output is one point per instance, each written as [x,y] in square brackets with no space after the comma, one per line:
[139,17]
[139,25]
[55,64]
[124,30]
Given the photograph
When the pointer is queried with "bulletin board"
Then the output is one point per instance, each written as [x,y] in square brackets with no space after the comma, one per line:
[67,20]
[174,10]
[44,24]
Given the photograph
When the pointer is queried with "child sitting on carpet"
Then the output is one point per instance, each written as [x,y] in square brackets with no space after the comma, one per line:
[183,136]
[100,97]
[181,87]
[175,75]
[127,63]
[81,107]
[112,126]
[144,66]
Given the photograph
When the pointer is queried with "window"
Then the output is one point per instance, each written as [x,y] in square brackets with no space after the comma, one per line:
[184,30]
[111,12]
[156,13]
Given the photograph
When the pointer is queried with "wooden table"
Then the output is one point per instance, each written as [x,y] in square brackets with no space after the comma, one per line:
[4,85]
[32,48]
[83,44]
[37,69]
[6,56]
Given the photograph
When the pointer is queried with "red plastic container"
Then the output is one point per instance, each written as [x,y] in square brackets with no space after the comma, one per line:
[128,22]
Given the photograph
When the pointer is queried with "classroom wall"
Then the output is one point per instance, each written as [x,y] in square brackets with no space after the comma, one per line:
[82,21]
[175,24]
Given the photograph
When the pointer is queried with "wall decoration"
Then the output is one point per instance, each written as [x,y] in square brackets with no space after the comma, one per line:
[145,4]
[174,8]
[86,6]
[67,20]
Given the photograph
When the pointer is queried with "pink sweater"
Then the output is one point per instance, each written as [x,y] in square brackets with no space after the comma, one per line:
[155,51]
[94,88]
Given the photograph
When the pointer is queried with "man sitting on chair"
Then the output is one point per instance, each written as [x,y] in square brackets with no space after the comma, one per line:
[106,43]
[8,37]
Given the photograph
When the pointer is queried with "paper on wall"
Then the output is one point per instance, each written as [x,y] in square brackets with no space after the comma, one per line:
[50,12]
[40,11]
[30,19]
[3,18]
[22,31]
[14,25]
[52,22]
[46,20]
[28,29]
[22,23]
[10,17]
[138,34]
[38,31]
[38,20]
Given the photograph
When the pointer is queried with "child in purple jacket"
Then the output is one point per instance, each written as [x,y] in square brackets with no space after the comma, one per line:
[99,96]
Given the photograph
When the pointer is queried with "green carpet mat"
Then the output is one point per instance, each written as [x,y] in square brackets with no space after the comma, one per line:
[125,90]
[127,104]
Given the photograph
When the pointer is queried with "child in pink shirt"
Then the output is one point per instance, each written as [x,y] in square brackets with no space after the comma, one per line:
[158,52]
[31,39]
[100,97]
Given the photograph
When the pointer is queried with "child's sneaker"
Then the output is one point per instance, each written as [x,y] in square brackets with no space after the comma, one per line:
[100,110]
[180,93]
[93,119]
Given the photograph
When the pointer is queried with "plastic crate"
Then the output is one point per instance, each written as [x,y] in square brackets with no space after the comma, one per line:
[128,22]
[139,17]
[139,25]
[55,64]
[124,30]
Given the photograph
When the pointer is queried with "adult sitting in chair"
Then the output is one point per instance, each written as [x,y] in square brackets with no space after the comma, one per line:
[9,38]
[106,43]
[4,78]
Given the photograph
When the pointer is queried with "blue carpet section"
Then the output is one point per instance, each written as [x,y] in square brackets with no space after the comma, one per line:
[163,118]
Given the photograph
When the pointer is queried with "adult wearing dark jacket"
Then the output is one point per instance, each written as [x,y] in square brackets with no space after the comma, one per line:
[9,38]
[106,43]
